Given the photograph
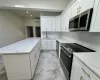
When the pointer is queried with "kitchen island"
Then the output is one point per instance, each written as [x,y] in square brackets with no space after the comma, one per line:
[20,58]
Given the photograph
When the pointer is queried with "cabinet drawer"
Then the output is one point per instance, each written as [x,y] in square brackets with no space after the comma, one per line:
[79,62]
[88,74]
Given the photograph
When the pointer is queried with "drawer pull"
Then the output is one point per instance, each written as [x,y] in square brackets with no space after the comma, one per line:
[81,78]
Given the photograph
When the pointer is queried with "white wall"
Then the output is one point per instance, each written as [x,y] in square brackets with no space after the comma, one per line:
[11,30]
[37,4]
[90,40]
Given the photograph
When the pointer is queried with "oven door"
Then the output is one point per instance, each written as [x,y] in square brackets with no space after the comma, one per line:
[57,48]
[66,62]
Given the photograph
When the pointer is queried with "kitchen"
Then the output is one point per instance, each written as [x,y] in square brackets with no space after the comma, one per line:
[42,40]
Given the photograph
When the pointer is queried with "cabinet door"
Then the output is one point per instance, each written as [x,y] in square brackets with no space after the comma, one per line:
[95,27]
[44,44]
[33,61]
[63,22]
[86,4]
[48,23]
[45,23]
[67,18]
[58,23]
[75,9]
[53,24]
[77,73]
[53,46]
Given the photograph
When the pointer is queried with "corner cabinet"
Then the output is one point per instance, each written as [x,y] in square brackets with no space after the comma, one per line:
[81,72]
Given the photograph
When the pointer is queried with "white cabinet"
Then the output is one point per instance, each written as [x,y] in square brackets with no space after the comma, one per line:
[58,23]
[34,56]
[81,72]
[86,4]
[75,9]
[95,26]
[45,23]
[65,17]
[77,73]
[48,23]
[48,44]
[53,24]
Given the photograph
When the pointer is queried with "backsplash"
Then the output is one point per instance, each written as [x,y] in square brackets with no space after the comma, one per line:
[90,40]
[51,35]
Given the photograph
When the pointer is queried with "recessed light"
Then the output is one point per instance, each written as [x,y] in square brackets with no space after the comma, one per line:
[31,15]
[27,12]
[19,6]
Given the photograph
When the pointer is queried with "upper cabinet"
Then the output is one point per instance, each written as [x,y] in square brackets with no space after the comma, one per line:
[50,23]
[45,24]
[95,26]
[80,6]
[86,4]
[65,16]
[58,23]
[75,9]
[61,23]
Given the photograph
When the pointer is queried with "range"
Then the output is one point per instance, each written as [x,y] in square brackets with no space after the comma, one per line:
[66,56]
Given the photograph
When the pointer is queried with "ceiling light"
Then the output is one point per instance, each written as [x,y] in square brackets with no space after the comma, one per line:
[31,15]
[27,12]
[19,6]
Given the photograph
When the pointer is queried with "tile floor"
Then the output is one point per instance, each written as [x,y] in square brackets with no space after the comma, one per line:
[47,68]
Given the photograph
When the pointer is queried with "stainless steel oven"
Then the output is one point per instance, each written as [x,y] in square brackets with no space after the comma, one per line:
[57,48]
[66,56]
[66,61]
[81,22]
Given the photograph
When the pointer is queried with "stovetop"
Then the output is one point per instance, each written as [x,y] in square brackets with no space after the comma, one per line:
[74,47]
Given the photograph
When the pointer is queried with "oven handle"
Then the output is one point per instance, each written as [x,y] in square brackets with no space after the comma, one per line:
[66,53]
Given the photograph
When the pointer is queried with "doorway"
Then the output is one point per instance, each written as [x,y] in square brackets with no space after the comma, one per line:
[29,31]
[38,31]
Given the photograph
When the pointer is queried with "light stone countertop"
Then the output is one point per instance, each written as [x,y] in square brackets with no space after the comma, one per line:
[61,40]
[23,46]
[91,60]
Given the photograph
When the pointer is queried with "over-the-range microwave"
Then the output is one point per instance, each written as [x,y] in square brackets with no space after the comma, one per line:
[81,22]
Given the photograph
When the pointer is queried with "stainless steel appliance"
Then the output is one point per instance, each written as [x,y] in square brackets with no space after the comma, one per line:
[81,22]
[57,48]
[66,56]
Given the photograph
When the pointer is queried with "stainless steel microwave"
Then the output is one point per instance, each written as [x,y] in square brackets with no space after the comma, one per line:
[81,22]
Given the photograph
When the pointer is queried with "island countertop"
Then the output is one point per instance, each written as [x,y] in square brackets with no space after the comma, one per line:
[23,46]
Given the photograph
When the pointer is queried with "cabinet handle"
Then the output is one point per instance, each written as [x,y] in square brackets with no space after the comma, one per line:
[77,10]
[81,78]
[86,73]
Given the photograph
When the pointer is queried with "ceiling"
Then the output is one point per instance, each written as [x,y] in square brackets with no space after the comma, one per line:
[26,13]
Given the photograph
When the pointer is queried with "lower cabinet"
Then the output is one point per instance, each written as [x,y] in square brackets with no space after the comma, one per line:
[48,44]
[34,56]
[81,72]
[20,66]
[77,73]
